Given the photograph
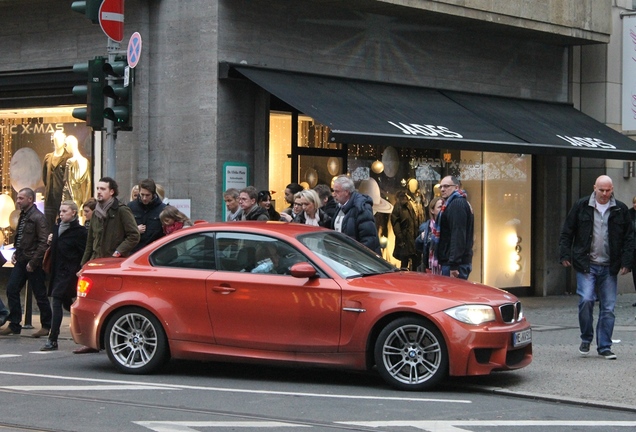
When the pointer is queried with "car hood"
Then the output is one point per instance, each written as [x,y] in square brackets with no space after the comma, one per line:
[443,287]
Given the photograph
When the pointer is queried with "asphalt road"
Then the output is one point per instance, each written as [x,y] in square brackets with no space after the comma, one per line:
[61,391]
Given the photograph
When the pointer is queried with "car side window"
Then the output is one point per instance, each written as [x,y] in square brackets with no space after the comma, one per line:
[250,253]
[195,251]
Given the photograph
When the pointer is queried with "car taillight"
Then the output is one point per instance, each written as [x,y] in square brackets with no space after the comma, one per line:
[84,285]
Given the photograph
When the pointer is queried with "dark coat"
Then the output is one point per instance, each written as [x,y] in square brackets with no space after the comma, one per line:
[148,214]
[456,228]
[404,223]
[33,243]
[576,236]
[273,214]
[323,218]
[423,245]
[256,213]
[330,207]
[66,257]
[632,215]
[359,222]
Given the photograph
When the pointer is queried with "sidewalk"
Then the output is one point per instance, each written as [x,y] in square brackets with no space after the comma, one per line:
[558,372]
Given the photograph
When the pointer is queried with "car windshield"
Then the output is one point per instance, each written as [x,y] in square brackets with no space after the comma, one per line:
[345,256]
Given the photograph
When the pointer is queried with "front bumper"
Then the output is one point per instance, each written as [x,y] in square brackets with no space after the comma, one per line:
[482,349]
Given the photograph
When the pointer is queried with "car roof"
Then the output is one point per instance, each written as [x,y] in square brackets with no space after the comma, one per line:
[285,228]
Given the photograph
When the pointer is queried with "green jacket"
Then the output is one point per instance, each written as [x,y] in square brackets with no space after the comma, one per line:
[118,232]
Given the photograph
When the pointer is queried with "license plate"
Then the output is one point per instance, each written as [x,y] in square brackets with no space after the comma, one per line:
[522,337]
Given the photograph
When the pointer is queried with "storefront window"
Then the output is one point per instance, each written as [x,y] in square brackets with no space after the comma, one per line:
[280,143]
[49,151]
[498,187]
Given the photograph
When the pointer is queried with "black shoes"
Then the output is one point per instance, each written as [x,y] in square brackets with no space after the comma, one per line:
[584,348]
[608,355]
[49,346]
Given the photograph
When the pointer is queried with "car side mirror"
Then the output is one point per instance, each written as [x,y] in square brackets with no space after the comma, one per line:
[303,270]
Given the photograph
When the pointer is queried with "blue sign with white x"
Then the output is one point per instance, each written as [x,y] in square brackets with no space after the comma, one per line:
[134,49]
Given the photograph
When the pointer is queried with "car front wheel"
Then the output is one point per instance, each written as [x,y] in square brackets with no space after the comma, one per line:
[411,354]
[136,342]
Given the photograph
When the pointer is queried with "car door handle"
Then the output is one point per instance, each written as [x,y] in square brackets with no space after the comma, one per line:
[223,289]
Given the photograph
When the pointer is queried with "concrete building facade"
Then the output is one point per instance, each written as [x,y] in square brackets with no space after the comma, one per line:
[194,113]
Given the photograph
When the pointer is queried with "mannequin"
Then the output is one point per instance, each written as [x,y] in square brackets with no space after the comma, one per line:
[77,175]
[53,177]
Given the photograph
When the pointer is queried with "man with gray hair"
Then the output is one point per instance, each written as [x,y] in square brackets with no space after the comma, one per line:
[233,210]
[30,245]
[354,216]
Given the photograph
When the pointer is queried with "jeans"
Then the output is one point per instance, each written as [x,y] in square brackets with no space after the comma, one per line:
[20,275]
[3,309]
[597,284]
[464,270]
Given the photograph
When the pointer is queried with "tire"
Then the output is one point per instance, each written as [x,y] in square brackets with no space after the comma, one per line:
[410,354]
[136,342]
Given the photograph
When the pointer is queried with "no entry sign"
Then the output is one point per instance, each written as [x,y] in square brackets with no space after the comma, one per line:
[111,19]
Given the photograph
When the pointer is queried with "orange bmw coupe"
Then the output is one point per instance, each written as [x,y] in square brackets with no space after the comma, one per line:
[289,293]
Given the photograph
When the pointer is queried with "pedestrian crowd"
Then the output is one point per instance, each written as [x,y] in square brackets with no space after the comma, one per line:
[111,229]
[597,241]
[114,229]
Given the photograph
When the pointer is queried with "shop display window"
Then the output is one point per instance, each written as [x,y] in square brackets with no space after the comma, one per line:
[49,151]
[498,186]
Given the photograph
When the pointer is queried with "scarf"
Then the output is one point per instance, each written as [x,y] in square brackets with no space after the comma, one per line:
[101,209]
[172,227]
[64,226]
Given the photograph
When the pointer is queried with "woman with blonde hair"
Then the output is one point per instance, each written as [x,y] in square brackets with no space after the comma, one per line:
[312,214]
[173,220]
[67,243]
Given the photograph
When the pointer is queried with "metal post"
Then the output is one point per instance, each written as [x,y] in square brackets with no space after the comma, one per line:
[110,162]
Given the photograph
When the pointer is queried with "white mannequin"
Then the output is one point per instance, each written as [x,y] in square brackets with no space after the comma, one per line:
[72,148]
[59,139]
[77,178]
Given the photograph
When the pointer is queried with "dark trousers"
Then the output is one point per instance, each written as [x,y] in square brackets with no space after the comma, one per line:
[20,275]
[57,305]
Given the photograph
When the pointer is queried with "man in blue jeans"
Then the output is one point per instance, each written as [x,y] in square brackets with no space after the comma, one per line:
[597,239]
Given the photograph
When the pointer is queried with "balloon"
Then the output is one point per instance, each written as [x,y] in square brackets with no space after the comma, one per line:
[6,207]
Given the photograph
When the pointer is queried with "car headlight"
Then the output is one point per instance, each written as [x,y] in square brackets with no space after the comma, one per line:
[472,314]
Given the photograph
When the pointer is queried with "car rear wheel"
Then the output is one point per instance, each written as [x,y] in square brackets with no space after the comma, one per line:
[136,342]
[411,354]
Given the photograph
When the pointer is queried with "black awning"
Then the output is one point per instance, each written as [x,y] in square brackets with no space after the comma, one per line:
[364,112]
[552,128]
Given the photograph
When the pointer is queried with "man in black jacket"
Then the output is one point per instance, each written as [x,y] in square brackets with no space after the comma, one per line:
[354,216]
[456,224]
[597,239]
[30,246]
[146,209]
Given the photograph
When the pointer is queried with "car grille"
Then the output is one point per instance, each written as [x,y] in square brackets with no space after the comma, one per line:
[511,312]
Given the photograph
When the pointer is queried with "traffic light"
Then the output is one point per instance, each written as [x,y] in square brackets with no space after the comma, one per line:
[90,8]
[119,89]
[93,113]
